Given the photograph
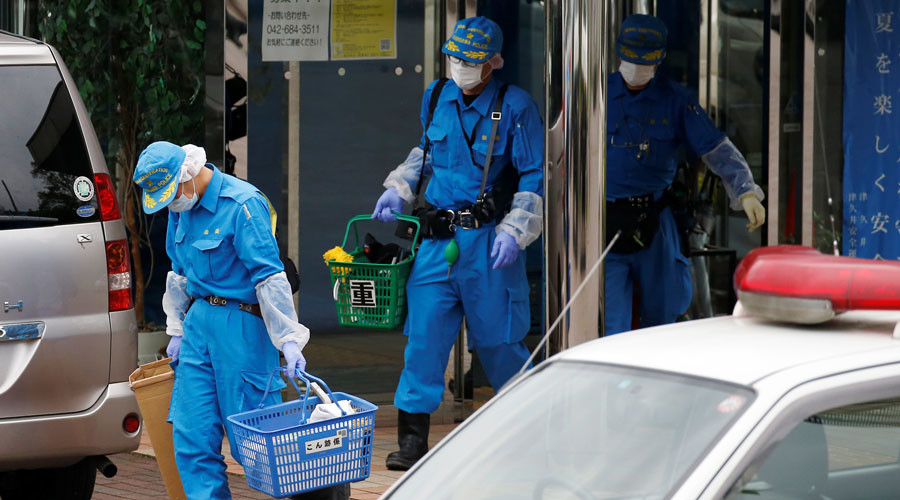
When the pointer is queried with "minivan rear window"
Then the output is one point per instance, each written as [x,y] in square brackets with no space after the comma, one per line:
[46,178]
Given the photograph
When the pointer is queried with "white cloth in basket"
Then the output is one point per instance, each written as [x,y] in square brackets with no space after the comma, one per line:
[329,411]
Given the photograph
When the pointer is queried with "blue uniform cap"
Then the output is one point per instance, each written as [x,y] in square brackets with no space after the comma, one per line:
[158,173]
[475,39]
[642,40]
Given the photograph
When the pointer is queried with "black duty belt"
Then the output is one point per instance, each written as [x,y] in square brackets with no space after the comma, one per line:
[222,301]
[438,223]
[463,218]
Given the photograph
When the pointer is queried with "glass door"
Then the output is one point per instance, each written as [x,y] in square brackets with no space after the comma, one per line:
[718,50]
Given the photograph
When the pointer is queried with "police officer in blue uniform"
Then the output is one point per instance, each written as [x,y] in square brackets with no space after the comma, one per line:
[228,305]
[648,118]
[487,283]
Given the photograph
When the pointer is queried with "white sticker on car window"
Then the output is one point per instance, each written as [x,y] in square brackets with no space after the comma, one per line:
[84,188]
[731,404]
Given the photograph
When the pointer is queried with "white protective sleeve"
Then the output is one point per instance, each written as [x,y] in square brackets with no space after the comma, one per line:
[728,163]
[277,306]
[406,176]
[175,303]
[526,218]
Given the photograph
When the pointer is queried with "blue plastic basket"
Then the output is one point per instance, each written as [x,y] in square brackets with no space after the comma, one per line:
[282,455]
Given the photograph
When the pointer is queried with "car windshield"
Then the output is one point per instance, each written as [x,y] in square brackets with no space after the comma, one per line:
[582,431]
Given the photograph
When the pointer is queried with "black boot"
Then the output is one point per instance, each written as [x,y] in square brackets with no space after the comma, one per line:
[412,436]
[338,492]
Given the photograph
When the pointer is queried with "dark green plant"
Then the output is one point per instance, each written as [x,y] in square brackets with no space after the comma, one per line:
[139,67]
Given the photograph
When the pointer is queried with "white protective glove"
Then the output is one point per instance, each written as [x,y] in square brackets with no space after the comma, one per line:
[756,214]
[174,347]
[293,359]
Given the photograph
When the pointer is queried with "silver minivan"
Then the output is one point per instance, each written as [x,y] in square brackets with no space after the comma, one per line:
[68,335]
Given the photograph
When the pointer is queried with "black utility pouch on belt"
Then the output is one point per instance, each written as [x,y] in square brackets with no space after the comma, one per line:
[494,204]
[436,224]
[638,219]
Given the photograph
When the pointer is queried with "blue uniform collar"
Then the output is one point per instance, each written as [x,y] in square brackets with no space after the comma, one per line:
[210,199]
[482,104]
[617,88]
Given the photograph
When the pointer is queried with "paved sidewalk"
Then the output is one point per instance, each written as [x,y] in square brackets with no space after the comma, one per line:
[139,475]
[139,478]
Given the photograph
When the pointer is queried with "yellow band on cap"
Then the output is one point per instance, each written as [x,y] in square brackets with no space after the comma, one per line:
[643,30]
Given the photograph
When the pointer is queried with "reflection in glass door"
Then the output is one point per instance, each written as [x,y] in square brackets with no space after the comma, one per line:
[718,49]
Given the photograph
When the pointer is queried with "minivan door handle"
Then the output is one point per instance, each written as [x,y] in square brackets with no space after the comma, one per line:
[22,331]
[7,306]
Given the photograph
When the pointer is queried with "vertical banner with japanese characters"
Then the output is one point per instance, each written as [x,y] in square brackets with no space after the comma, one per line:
[872,130]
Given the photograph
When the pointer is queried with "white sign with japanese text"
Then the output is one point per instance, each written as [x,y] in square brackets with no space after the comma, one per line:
[295,30]
[327,443]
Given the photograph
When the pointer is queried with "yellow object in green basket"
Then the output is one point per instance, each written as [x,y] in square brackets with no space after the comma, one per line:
[338,254]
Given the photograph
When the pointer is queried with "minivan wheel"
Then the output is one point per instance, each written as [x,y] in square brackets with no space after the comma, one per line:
[75,482]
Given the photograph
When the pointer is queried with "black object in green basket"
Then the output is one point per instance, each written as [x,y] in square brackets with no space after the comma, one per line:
[378,253]
[370,294]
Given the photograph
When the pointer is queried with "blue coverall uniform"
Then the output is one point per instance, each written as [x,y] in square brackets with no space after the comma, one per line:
[494,301]
[667,116]
[224,246]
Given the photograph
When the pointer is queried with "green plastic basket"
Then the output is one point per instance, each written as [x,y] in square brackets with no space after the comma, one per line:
[371,295]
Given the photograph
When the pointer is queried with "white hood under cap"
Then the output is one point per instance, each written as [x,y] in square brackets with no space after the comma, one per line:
[194,160]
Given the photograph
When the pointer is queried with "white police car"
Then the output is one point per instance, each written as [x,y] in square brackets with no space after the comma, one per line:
[796,396]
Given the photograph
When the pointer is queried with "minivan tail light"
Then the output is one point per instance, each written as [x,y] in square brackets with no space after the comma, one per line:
[800,285]
[118,268]
[109,206]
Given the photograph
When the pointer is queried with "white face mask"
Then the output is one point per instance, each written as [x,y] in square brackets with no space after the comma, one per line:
[183,203]
[465,77]
[636,75]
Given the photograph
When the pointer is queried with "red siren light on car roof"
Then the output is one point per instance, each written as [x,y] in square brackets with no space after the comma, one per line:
[801,285]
